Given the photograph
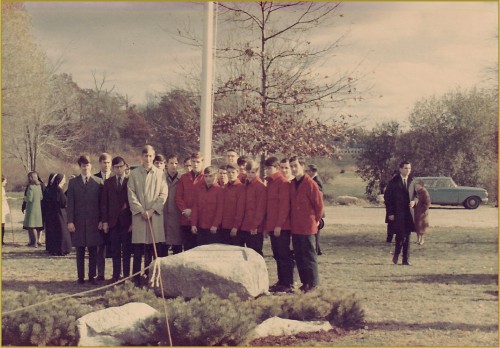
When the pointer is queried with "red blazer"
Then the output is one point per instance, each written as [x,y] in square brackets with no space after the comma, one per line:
[208,205]
[255,205]
[234,205]
[114,203]
[184,193]
[306,206]
[278,203]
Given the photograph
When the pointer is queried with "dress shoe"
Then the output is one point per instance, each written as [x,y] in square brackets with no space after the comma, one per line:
[92,281]
[273,287]
[81,281]
[115,279]
[406,263]
[100,278]
[310,288]
[395,259]
[283,288]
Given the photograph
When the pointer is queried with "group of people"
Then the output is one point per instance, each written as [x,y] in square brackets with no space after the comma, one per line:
[154,209]
[407,204]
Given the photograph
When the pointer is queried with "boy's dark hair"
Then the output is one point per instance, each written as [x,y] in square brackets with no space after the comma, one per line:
[210,170]
[312,168]
[171,155]
[299,159]
[251,164]
[186,159]
[242,160]
[223,167]
[83,159]
[232,166]
[197,155]
[403,163]
[231,150]
[117,160]
[285,160]
[104,156]
[272,162]
[159,158]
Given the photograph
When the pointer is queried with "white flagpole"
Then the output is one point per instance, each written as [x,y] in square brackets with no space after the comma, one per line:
[206,85]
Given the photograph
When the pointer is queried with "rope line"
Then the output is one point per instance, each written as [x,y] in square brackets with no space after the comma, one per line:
[74,295]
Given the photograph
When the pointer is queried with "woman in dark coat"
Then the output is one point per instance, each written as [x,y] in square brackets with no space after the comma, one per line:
[421,213]
[57,234]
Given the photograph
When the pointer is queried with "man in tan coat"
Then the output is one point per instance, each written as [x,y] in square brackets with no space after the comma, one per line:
[147,192]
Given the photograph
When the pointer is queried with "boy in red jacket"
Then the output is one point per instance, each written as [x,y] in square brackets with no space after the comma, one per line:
[208,204]
[234,206]
[255,210]
[305,212]
[277,224]
[184,197]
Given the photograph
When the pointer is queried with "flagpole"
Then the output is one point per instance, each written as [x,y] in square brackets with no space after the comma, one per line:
[206,85]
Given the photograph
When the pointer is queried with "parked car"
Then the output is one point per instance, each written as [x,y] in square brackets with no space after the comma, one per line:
[444,191]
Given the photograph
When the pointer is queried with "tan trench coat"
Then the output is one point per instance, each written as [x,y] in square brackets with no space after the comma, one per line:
[147,191]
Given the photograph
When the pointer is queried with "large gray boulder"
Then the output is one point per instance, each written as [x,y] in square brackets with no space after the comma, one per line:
[115,326]
[222,269]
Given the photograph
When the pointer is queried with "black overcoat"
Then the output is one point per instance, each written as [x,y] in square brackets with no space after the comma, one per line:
[397,203]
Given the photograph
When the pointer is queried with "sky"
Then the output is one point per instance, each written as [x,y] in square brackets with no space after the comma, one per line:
[408,50]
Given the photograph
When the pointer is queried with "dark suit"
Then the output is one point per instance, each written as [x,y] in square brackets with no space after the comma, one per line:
[115,211]
[102,249]
[318,181]
[83,212]
[397,203]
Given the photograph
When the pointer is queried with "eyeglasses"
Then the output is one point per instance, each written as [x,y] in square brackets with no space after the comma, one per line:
[119,166]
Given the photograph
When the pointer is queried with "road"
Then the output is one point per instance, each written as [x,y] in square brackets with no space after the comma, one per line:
[484,216]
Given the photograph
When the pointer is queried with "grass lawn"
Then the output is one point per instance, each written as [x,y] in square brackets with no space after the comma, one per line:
[449,297]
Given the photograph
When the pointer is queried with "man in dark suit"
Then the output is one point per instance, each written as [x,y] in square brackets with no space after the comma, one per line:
[104,174]
[398,214]
[84,222]
[117,218]
[312,171]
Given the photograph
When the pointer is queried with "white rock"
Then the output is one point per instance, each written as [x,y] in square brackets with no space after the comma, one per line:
[347,200]
[222,269]
[115,326]
[276,326]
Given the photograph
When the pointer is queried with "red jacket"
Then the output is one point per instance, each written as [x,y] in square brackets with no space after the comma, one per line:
[306,206]
[184,193]
[208,205]
[278,203]
[234,205]
[255,205]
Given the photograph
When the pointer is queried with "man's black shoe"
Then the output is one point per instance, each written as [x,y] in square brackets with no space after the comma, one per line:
[81,281]
[92,281]
[395,259]
[406,263]
[100,278]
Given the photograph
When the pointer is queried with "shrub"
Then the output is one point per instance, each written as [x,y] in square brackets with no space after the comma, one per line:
[53,324]
[128,292]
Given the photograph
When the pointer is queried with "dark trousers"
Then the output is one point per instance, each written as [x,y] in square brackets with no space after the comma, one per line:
[205,237]
[163,249]
[101,260]
[225,236]
[403,242]
[80,262]
[139,250]
[252,241]
[121,250]
[316,241]
[390,233]
[189,238]
[283,256]
[306,258]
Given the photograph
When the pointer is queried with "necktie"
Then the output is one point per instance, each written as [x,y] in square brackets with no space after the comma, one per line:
[119,182]
[404,182]
[86,180]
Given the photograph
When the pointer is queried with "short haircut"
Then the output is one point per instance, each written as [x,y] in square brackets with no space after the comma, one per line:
[403,163]
[419,181]
[159,158]
[242,160]
[196,155]
[232,166]
[312,168]
[272,162]
[33,178]
[299,159]
[171,156]
[223,167]
[3,178]
[285,160]
[117,160]
[210,170]
[187,159]
[104,156]
[251,164]
[83,159]
[146,149]
[231,150]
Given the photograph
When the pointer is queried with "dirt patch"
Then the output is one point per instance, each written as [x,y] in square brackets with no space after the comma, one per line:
[301,339]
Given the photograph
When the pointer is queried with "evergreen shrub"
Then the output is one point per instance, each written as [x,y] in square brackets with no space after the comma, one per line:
[52,324]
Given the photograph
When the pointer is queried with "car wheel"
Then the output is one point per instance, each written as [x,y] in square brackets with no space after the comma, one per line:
[472,202]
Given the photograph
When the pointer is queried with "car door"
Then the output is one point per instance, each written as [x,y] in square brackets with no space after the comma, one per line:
[445,192]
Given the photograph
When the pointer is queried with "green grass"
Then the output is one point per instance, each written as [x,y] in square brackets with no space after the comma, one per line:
[449,297]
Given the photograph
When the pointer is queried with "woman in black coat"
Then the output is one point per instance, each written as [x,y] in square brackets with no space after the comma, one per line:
[57,234]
